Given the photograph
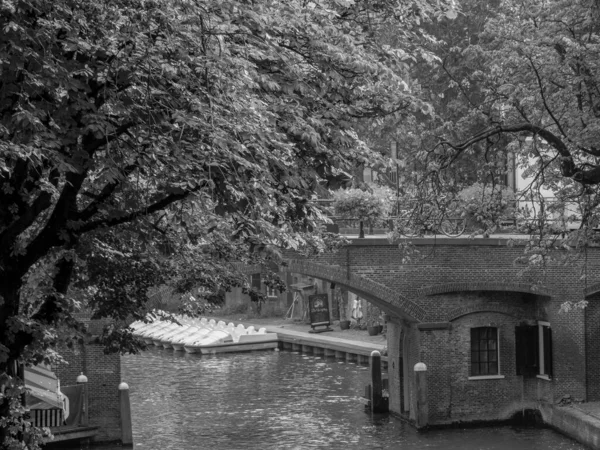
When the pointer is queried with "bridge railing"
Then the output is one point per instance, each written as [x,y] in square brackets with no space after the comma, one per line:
[514,223]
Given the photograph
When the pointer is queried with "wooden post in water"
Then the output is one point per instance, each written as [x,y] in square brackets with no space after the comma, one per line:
[378,403]
[422,416]
[126,429]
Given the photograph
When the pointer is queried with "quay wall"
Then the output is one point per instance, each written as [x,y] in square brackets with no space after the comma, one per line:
[103,372]
[572,422]
[104,375]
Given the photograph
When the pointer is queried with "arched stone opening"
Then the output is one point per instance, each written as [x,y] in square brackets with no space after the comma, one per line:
[382,296]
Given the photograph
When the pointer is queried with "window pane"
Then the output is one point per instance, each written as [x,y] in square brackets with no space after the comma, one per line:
[484,351]
[493,369]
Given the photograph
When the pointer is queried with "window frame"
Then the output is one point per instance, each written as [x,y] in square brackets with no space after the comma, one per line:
[271,292]
[488,376]
[255,281]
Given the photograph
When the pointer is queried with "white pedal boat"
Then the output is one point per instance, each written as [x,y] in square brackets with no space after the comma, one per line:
[236,340]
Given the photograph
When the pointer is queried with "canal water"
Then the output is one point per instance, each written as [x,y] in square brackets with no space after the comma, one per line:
[282,400]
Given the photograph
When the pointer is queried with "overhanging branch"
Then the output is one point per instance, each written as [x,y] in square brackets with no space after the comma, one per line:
[154,207]
[584,175]
[92,208]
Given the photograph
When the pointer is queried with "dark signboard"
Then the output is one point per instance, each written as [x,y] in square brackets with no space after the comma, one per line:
[318,308]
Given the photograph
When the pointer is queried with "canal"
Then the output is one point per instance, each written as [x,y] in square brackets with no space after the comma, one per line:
[282,400]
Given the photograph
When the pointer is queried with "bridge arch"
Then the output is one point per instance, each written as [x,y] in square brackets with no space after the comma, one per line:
[380,295]
[591,290]
[500,286]
[473,309]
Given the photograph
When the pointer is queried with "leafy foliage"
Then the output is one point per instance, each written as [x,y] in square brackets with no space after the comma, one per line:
[486,206]
[147,139]
[527,87]
[368,206]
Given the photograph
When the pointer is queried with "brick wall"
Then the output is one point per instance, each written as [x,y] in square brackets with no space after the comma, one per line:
[104,375]
[461,281]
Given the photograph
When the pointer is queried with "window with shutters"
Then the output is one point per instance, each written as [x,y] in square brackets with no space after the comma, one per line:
[533,350]
[526,350]
[485,361]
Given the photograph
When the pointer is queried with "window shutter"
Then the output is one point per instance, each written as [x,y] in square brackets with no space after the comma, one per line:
[548,350]
[520,349]
[526,349]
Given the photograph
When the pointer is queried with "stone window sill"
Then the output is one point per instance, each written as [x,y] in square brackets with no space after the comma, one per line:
[544,377]
[487,377]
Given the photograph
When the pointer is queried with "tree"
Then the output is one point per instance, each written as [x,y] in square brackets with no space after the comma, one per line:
[536,102]
[363,205]
[145,135]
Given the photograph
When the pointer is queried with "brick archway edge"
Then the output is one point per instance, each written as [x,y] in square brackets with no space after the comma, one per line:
[496,308]
[593,289]
[366,288]
[358,284]
[483,286]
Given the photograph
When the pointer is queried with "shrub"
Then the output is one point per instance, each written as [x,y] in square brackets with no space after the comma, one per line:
[368,206]
[485,206]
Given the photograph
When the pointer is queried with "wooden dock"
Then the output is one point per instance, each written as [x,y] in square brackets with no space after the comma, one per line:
[70,433]
[327,346]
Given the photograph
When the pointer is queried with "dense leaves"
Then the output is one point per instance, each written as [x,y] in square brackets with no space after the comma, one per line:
[145,139]
[368,206]
[527,91]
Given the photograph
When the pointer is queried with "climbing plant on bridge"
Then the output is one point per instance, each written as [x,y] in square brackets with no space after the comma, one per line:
[148,139]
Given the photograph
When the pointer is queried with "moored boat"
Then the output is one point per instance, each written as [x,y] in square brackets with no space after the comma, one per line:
[202,336]
[238,340]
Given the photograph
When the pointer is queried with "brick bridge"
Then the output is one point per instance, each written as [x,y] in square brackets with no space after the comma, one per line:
[488,329]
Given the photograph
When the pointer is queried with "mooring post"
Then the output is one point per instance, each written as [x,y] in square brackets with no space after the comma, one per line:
[422,404]
[378,403]
[126,429]
[85,417]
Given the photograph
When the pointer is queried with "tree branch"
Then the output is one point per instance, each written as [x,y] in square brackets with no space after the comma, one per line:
[92,208]
[588,175]
[156,206]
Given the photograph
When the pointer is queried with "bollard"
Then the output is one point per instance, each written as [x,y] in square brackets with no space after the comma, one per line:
[422,416]
[126,428]
[378,403]
[85,417]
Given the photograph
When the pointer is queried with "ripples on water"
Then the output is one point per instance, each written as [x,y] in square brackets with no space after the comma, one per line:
[281,400]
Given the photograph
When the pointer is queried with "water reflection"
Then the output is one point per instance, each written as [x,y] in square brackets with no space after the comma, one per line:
[281,400]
